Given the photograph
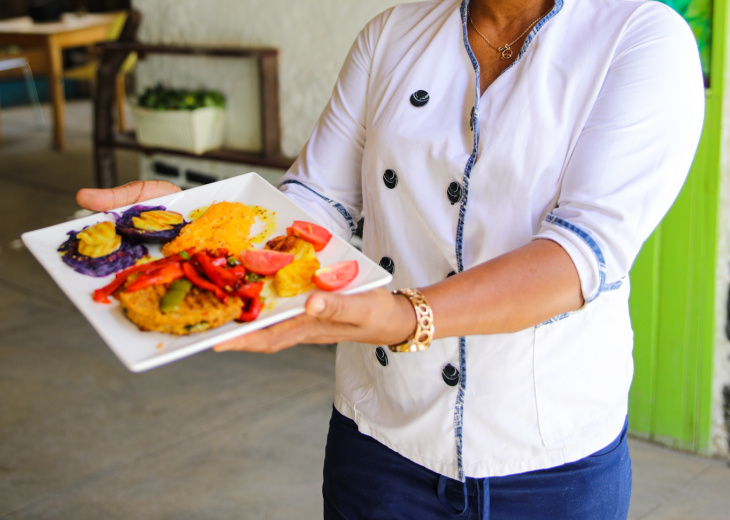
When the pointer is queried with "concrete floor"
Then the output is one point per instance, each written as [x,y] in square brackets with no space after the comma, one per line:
[214,436]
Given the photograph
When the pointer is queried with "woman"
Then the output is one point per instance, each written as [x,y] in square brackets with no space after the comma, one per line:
[510,158]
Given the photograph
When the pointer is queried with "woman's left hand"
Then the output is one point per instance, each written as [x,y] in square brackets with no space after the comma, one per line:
[376,317]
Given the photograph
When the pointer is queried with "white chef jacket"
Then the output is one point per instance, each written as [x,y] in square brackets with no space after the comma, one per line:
[585,140]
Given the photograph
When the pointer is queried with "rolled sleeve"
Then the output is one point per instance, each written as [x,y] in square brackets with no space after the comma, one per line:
[634,152]
[326,178]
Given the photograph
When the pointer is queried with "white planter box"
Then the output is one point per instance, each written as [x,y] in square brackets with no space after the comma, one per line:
[196,131]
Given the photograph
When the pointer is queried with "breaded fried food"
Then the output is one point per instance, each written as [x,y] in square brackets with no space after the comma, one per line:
[224,225]
[199,311]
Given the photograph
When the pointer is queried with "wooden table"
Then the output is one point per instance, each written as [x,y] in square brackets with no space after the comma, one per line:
[71,31]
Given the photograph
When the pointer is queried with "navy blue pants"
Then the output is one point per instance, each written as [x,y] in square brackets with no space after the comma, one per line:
[363,479]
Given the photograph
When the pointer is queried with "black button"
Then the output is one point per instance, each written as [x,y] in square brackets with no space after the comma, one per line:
[452,273]
[419,98]
[390,178]
[454,192]
[387,264]
[382,356]
[450,375]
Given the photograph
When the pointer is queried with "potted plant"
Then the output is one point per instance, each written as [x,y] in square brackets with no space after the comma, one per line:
[180,119]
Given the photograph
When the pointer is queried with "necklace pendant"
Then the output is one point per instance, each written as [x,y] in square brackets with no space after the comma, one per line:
[506,52]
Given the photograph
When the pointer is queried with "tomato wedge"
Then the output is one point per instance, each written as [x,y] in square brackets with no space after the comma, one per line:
[335,276]
[312,233]
[264,261]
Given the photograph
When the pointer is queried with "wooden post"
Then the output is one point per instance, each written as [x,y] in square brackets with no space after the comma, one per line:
[270,129]
[110,64]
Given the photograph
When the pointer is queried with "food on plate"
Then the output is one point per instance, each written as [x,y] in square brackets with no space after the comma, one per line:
[99,240]
[197,311]
[264,261]
[157,220]
[335,276]
[185,293]
[102,294]
[210,274]
[223,226]
[312,233]
[296,277]
[98,251]
[149,223]
[175,295]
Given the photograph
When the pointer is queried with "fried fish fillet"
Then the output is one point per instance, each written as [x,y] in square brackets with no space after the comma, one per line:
[198,312]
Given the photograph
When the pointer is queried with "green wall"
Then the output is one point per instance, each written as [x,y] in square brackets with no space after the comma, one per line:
[673,293]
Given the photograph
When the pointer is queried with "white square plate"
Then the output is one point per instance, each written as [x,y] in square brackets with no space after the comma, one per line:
[144,350]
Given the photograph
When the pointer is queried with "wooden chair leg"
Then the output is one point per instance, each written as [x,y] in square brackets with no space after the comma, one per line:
[121,102]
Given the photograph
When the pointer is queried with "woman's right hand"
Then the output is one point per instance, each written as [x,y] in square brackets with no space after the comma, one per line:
[130,193]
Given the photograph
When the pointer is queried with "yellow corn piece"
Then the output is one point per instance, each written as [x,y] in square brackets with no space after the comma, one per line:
[149,225]
[98,234]
[99,250]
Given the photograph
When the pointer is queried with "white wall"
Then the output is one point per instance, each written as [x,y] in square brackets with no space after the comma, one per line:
[313,37]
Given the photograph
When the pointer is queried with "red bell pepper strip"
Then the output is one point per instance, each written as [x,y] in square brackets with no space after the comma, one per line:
[165,274]
[102,295]
[238,271]
[192,275]
[251,310]
[229,279]
[208,268]
[249,290]
[216,274]
[220,261]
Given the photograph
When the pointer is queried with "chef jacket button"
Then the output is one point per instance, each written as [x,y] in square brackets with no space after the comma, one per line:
[390,178]
[450,375]
[419,98]
[454,192]
[387,264]
[382,356]
[452,273]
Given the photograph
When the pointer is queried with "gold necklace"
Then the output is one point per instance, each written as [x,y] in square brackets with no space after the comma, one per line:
[506,49]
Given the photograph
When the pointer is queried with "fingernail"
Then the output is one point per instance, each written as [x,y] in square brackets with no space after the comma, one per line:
[317,306]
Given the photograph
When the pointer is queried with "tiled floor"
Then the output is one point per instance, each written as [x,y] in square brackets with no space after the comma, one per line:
[214,436]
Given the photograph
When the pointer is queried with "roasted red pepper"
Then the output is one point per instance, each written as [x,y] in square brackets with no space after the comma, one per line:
[229,279]
[220,261]
[102,295]
[219,275]
[249,290]
[164,274]
[251,310]
[208,268]
[192,275]
[238,271]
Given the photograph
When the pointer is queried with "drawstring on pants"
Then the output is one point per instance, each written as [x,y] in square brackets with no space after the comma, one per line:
[455,495]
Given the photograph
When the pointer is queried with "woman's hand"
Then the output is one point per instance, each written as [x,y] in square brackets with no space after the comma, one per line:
[376,317]
[130,193]
[509,293]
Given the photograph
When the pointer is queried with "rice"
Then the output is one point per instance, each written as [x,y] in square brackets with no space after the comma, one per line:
[224,225]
